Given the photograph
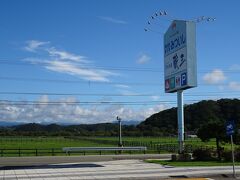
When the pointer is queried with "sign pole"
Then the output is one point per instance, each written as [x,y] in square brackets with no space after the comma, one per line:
[233,161]
[180,121]
[120,132]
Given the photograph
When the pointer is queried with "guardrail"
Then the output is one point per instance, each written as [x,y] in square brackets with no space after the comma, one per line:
[160,148]
[67,149]
[100,149]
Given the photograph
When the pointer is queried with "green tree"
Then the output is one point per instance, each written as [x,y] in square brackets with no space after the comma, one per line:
[213,130]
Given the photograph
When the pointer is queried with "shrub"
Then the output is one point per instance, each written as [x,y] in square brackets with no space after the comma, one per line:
[202,155]
[227,155]
[237,154]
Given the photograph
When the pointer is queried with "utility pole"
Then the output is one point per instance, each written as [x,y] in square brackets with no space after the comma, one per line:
[120,132]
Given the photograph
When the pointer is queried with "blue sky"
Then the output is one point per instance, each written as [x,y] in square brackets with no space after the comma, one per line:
[99,48]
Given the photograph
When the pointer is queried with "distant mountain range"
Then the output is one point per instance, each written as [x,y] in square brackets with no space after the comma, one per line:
[9,123]
[13,123]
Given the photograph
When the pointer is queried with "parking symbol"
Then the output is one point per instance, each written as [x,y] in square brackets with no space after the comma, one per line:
[183,79]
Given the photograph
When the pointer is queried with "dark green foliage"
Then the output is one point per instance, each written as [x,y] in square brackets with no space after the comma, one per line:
[227,155]
[196,115]
[212,129]
[237,154]
[202,155]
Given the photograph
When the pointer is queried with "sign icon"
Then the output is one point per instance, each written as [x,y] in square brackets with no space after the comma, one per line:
[182,59]
[178,81]
[230,128]
[183,79]
[167,84]
[172,83]
[175,61]
[174,25]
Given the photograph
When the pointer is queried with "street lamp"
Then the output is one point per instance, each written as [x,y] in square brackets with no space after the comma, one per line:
[120,132]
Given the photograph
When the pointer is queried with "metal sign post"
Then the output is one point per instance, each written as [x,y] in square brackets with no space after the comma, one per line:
[180,121]
[120,132]
[233,161]
[230,131]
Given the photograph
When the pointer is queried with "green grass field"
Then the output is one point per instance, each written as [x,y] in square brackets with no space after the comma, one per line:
[47,145]
[44,142]
[42,146]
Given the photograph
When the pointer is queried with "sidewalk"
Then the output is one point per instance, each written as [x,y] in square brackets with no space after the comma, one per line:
[118,169]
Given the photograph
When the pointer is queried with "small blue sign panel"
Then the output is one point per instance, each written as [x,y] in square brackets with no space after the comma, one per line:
[183,79]
[230,128]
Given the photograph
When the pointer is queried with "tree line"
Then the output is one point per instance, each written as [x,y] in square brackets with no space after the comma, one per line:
[197,118]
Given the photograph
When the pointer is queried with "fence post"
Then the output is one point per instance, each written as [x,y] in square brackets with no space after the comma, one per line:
[52,151]
[19,152]
[1,152]
[36,152]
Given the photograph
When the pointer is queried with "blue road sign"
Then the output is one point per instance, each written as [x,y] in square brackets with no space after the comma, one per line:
[230,128]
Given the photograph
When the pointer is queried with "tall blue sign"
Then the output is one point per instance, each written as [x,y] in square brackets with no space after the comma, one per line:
[230,125]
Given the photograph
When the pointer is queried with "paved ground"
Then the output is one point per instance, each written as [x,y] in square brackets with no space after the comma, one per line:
[45,160]
[118,169]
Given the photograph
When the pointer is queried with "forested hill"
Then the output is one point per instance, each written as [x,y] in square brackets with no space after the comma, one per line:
[34,129]
[160,124]
[165,122]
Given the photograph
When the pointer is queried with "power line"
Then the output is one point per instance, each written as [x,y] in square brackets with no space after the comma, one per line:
[26,103]
[114,68]
[74,81]
[90,82]
[232,93]
[72,94]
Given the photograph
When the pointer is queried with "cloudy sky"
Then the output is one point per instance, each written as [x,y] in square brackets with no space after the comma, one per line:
[90,61]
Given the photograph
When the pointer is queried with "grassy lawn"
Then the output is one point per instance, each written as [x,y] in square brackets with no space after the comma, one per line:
[43,146]
[44,142]
[59,142]
[192,163]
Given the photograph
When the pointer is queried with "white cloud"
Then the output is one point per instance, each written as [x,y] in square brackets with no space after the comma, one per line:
[112,20]
[76,70]
[234,86]
[64,113]
[155,98]
[143,59]
[65,62]
[33,45]
[123,86]
[215,77]
[63,55]
[235,67]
